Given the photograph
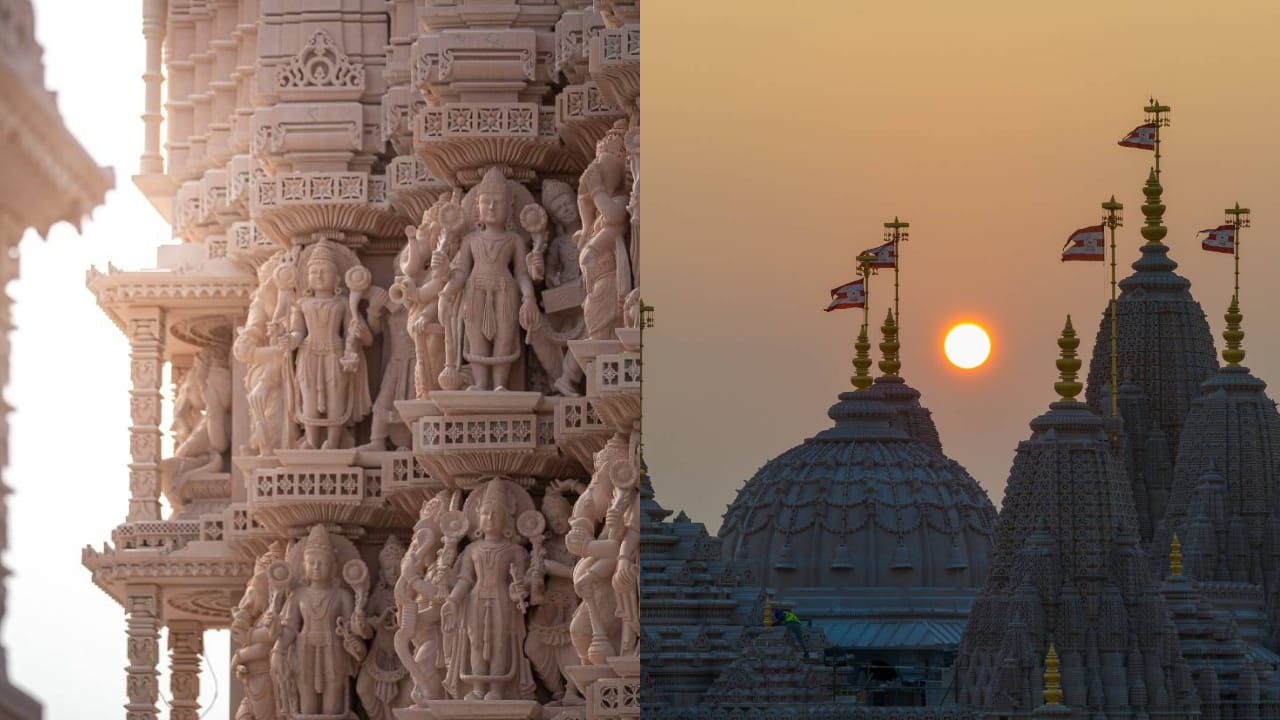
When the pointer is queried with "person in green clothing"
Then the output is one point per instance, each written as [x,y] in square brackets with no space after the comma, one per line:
[791,622]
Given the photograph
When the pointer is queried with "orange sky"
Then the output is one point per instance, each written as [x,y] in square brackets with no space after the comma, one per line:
[780,136]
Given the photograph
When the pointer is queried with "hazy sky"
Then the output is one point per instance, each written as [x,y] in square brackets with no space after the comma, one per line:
[69,438]
[779,138]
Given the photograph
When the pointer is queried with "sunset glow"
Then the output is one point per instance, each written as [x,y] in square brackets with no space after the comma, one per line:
[967,346]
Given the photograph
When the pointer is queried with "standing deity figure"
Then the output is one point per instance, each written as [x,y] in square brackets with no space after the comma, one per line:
[418,641]
[332,379]
[595,536]
[556,262]
[390,316]
[384,683]
[484,292]
[549,647]
[251,630]
[623,523]
[268,380]
[488,601]
[321,628]
[603,255]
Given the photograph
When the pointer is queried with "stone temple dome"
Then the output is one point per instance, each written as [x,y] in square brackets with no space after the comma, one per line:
[862,504]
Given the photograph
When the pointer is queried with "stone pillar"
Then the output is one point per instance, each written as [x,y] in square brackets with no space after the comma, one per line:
[153,22]
[186,645]
[144,652]
[146,354]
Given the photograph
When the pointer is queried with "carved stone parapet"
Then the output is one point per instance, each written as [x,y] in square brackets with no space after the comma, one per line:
[469,710]
[573,33]
[242,531]
[308,135]
[467,443]
[615,65]
[296,204]
[188,212]
[487,15]
[399,106]
[411,188]
[248,246]
[459,141]
[239,176]
[405,483]
[614,386]
[450,65]
[294,496]
[583,115]
[169,534]
[579,429]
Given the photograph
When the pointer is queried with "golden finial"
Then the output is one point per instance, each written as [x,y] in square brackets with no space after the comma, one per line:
[768,611]
[1154,231]
[1068,365]
[1233,334]
[861,379]
[1052,678]
[1175,557]
[889,346]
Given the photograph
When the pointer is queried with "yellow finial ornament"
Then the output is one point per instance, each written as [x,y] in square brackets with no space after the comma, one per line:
[1154,229]
[1175,557]
[1052,678]
[1234,353]
[861,379]
[1068,365]
[889,346]
[768,611]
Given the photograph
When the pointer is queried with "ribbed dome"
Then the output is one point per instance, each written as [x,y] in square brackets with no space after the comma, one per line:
[862,504]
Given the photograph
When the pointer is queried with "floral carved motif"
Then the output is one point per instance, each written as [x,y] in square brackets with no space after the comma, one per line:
[320,64]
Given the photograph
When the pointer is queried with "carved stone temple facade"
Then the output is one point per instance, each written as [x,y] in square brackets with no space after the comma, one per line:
[400,327]
[46,177]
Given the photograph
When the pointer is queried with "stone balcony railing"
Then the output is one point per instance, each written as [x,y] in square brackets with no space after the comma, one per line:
[167,534]
[294,496]
[290,204]
[580,430]
[461,140]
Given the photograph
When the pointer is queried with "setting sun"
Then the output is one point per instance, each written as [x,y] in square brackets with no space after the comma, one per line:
[967,346]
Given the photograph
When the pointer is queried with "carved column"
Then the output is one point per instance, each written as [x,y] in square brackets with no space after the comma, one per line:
[186,645]
[146,354]
[153,12]
[144,653]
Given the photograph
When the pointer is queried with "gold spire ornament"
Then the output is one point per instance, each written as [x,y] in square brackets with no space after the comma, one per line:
[1113,219]
[1068,385]
[1234,353]
[861,361]
[1175,557]
[1238,218]
[1157,115]
[889,365]
[1052,678]
[768,611]
[1154,229]
[896,232]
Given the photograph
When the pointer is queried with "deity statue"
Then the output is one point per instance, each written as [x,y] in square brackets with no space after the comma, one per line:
[268,380]
[319,644]
[488,601]
[556,262]
[418,641]
[623,523]
[484,292]
[332,378]
[398,375]
[424,268]
[251,630]
[549,646]
[603,256]
[383,682]
[595,535]
[202,418]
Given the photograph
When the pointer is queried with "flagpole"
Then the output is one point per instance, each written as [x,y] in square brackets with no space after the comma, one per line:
[1155,110]
[1238,218]
[861,361]
[1113,219]
[896,233]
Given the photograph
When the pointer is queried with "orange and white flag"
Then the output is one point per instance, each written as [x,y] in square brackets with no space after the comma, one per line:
[1142,137]
[849,295]
[1221,239]
[1085,244]
[886,256]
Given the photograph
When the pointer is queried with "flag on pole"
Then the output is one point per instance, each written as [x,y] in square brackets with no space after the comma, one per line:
[1085,244]
[1220,239]
[849,295]
[886,257]
[1143,137]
